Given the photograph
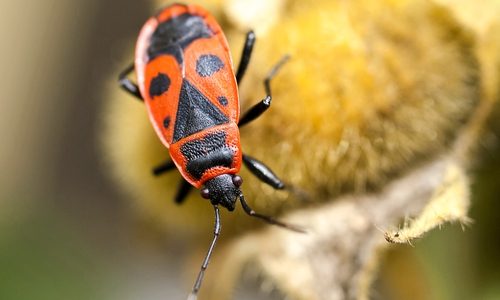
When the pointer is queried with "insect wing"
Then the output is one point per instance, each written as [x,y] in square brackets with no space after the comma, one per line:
[162,86]
[209,68]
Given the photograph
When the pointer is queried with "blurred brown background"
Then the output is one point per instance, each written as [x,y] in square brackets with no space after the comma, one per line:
[65,230]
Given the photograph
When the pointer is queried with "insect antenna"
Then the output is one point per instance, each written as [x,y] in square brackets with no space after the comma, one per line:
[268,219]
[217,227]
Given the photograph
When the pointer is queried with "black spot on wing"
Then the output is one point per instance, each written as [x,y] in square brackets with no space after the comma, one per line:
[206,65]
[223,100]
[195,113]
[159,85]
[166,122]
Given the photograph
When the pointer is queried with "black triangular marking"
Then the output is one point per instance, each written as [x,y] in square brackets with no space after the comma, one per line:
[195,113]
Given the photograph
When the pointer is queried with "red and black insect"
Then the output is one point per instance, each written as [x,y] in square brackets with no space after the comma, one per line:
[185,76]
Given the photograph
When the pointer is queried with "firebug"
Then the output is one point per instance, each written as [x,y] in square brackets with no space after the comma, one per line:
[185,77]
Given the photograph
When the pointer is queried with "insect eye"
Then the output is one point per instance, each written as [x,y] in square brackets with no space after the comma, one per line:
[237,180]
[205,193]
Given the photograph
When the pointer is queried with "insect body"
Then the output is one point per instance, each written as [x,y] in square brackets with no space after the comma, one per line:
[185,77]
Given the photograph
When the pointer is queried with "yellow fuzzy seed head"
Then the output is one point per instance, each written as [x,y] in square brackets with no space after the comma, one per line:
[362,99]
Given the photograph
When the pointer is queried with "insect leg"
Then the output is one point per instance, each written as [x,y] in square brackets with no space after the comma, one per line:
[184,187]
[262,172]
[163,167]
[259,108]
[217,227]
[182,191]
[127,85]
[245,55]
[268,219]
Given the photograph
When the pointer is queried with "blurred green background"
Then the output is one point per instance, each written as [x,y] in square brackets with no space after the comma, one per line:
[65,230]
